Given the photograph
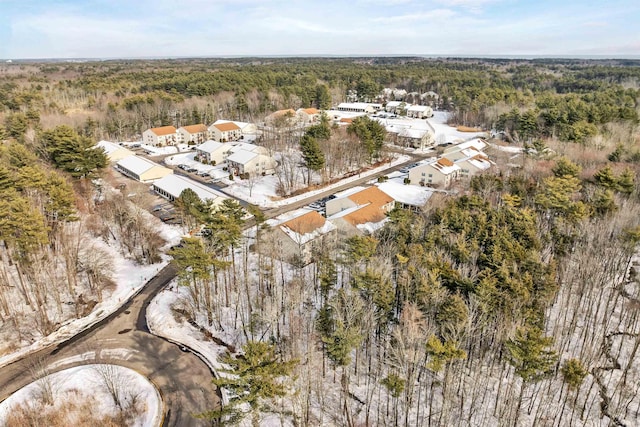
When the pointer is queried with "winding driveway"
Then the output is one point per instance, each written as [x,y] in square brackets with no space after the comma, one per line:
[123,338]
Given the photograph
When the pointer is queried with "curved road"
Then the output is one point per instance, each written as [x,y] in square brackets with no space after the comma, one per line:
[123,338]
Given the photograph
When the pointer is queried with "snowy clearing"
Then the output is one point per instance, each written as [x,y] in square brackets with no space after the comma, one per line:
[95,384]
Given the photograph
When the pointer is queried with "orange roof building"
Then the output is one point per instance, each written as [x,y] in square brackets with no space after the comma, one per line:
[298,238]
[225,127]
[195,128]
[369,205]
[164,130]
[193,134]
[225,132]
[306,223]
[161,136]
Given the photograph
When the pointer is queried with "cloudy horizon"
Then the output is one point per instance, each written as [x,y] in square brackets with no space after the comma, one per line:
[69,29]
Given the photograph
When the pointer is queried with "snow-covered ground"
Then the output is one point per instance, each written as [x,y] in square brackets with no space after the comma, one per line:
[445,133]
[188,158]
[128,277]
[264,194]
[91,383]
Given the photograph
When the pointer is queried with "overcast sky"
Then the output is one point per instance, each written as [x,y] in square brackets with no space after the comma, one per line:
[164,28]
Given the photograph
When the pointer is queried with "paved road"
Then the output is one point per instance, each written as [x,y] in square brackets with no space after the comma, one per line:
[273,212]
[183,379]
[124,339]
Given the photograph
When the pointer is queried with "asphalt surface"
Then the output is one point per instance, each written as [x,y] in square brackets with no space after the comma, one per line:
[183,379]
[123,338]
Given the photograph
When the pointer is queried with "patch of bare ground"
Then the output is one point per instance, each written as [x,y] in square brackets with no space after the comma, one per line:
[77,411]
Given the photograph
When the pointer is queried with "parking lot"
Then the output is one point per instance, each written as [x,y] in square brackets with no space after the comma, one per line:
[320,205]
[166,212]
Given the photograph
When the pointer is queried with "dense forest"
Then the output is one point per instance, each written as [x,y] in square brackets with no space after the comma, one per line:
[118,100]
[513,301]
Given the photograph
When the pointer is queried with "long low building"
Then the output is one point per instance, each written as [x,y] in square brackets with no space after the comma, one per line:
[171,186]
[113,151]
[141,169]
[359,107]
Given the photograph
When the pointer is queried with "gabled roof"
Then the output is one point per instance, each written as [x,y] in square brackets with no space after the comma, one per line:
[358,105]
[176,184]
[305,223]
[241,125]
[304,228]
[419,108]
[445,166]
[369,213]
[478,161]
[475,143]
[164,130]
[110,147]
[195,128]
[137,165]
[210,146]
[226,127]
[369,203]
[242,157]
[411,133]
[372,195]
[247,146]
[279,113]
[406,194]
[310,110]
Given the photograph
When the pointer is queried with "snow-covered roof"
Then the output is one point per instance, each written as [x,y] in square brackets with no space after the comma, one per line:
[242,156]
[419,108]
[480,162]
[176,184]
[110,147]
[476,143]
[413,133]
[445,166]
[430,94]
[245,146]
[137,165]
[210,146]
[358,105]
[393,104]
[406,194]
[372,227]
[337,114]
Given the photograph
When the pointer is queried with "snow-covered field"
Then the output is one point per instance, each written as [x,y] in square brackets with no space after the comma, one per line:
[445,133]
[95,384]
